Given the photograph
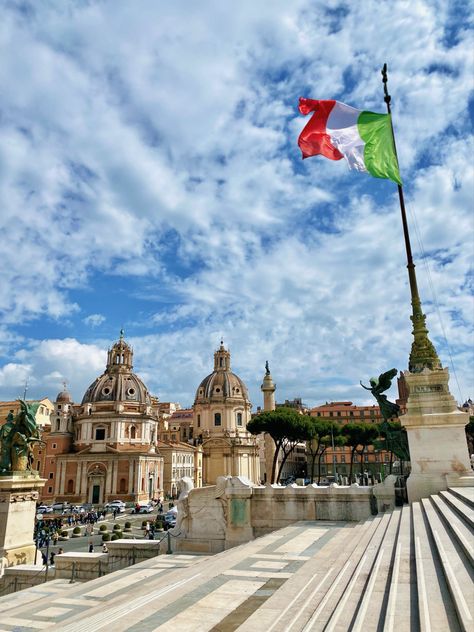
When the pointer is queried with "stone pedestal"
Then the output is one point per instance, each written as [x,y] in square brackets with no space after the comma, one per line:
[436,435]
[239,524]
[19,493]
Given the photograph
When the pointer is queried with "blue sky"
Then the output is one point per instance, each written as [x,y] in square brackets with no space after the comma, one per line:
[150,179]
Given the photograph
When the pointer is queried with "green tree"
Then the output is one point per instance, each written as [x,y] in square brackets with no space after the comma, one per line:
[359,437]
[320,439]
[286,427]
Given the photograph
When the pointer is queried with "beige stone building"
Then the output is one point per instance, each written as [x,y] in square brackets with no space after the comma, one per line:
[105,448]
[221,413]
[179,459]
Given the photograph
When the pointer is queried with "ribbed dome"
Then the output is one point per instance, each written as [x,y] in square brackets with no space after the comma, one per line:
[64,396]
[118,383]
[221,382]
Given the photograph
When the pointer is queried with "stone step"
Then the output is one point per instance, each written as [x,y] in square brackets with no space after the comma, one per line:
[459,529]
[304,591]
[457,571]
[43,592]
[464,509]
[466,494]
[335,589]
[347,607]
[401,611]
[436,610]
[371,608]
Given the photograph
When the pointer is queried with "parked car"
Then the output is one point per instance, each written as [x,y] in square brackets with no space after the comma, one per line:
[142,508]
[119,505]
[170,520]
[44,509]
[60,507]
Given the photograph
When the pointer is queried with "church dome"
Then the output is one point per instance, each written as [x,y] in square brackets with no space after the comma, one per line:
[118,383]
[221,383]
[64,397]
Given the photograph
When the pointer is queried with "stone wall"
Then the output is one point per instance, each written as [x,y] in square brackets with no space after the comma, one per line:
[212,519]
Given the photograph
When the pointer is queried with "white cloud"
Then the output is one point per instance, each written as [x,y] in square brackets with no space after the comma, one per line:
[141,142]
[94,320]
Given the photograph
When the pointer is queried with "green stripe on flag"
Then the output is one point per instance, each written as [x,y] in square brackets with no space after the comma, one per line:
[379,152]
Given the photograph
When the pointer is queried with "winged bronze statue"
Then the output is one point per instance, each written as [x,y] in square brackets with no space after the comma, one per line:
[377,387]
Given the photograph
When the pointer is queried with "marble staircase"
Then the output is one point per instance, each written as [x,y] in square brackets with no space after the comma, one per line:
[408,570]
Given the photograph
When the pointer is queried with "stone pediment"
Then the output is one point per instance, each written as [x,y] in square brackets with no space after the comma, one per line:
[217,441]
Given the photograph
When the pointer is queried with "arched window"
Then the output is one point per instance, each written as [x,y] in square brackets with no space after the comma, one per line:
[70,486]
[199,421]
[220,361]
[239,419]
[100,434]
[133,432]
[217,419]
[122,485]
[58,425]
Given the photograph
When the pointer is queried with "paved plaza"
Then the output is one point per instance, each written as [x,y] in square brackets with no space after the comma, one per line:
[405,570]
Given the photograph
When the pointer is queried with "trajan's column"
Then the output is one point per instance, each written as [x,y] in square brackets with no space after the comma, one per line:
[268,388]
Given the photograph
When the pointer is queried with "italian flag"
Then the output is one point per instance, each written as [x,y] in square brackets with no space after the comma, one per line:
[338,131]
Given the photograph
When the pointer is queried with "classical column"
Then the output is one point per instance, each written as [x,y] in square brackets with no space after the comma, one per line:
[268,388]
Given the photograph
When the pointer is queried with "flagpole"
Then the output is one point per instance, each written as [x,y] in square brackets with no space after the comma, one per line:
[423,354]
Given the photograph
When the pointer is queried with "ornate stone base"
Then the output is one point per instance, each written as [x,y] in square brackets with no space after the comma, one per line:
[436,435]
[18,496]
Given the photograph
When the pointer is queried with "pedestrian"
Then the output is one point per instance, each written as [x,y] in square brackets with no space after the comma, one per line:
[51,558]
[115,513]
[105,548]
[91,547]
[60,550]
[45,559]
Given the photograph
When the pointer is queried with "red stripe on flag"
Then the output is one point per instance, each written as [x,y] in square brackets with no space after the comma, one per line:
[314,138]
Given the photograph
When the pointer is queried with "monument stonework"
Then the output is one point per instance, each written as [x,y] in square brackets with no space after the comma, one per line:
[19,487]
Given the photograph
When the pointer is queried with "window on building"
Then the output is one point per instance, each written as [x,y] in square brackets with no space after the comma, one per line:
[173,437]
[217,419]
[133,432]
[199,421]
[362,413]
[59,406]
[122,485]
[99,434]
[338,414]
[386,458]
[331,414]
[239,419]
[51,475]
[351,413]
[220,361]
[318,414]
[58,425]
[70,486]
[343,458]
[54,446]
[366,458]
[50,490]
